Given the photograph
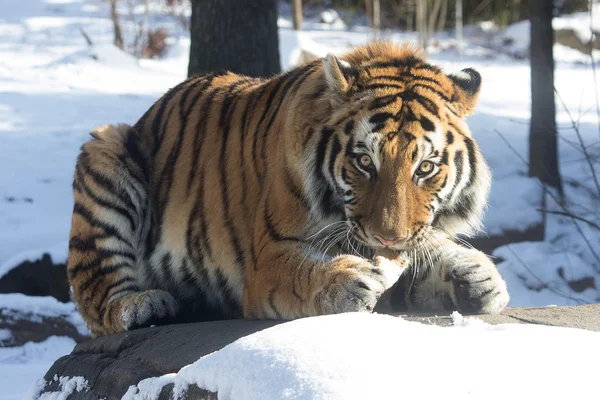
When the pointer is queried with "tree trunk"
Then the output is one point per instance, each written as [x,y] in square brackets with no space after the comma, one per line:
[515,11]
[369,12]
[114,15]
[443,14]
[422,23]
[233,35]
[459,26]
[543,145]
[376,16]
[297,14]
[433,15]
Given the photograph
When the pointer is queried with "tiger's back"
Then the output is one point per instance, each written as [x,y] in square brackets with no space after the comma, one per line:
[200,152]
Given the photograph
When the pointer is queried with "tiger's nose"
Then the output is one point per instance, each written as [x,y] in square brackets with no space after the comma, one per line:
[388,242]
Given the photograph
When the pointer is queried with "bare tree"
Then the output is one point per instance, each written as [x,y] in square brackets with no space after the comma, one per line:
[376,16]
[297,14]
[239,36]
[433,16]
[422,23]
[114,15]
[459,26]
[543,145]
[443,13]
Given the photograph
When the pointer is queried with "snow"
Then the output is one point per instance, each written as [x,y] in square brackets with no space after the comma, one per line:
[21,367]
[515,38]
[58,253]
[67,385]
[55,88]
[17,305]
[370,356]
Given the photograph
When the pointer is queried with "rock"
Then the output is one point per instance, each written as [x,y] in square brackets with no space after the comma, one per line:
[41,277]
[568,37]
[34,327]
[111,364]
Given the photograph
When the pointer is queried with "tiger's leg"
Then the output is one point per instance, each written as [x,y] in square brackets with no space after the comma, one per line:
[110,223]
[286,283]
[453,278]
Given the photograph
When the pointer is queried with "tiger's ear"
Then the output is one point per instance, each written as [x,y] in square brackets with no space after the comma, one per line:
[340,76]
[467,84]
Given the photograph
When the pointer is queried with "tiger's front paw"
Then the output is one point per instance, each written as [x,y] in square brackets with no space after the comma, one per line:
[356,284]
[146,308]
[478,287]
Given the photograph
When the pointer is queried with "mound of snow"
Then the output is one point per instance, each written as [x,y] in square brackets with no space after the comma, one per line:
[370,356]
[34,307]
[515,38]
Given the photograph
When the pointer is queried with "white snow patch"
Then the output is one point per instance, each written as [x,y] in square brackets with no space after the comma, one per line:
[5,336]
[67,386]
[21,367]
[57,253]
[537,274]
[33,307]
[360,356]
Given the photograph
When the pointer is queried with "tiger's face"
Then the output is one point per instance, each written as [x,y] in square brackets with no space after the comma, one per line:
[401,159]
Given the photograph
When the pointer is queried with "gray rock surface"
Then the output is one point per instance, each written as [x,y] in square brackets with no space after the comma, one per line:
[111,364]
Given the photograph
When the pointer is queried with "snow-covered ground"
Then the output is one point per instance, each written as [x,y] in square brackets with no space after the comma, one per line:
[371,356]
[54,89]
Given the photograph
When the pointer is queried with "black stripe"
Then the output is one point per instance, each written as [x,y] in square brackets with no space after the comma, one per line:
[295,190]
[166,175]
[228,108]
[413,156]
[472,160]
[349,127]
[449,138]
[276,83]
[458,163]
[380,118]
[432,89]
[294,80]
[166,269]
[162,104]
[336,149]
[128,288]
[384,101]
[426,124]
[102,272]
[83,244]
[76,269]
[110,230]
[103,298]
[326,134]
[271,299]
[271,230]
[200,133]
[123,212]
[104,182]
[104,253]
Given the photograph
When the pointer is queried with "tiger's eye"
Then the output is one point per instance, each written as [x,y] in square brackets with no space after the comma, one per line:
[425,168]
[365,160]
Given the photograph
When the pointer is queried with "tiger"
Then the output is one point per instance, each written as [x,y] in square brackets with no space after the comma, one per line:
[226,198]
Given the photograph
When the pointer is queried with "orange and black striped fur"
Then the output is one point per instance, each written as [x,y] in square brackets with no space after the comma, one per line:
[225,198]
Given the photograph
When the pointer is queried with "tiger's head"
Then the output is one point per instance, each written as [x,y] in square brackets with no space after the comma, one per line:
[395,157]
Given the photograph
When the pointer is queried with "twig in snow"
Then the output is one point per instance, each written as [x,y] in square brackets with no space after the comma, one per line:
[557,201]
[553,290]
[581,143]
[86,37]
[593,62]
[571,215]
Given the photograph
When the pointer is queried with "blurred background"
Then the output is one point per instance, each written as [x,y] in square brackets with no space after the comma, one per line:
[67,66]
